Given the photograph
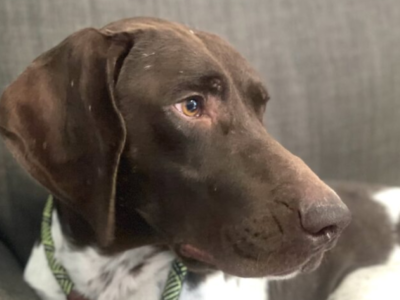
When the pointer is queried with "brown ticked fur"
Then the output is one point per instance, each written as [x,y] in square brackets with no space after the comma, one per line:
[93,121]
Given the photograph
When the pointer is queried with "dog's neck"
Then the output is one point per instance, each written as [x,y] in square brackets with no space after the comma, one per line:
[131,231]
[138,273]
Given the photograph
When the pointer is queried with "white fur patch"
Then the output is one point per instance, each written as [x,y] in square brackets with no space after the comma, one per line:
[38,275]
[372,283]
[99,277]
[218,286]
[390,199]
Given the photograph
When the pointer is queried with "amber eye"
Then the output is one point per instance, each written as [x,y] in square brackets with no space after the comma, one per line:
[191,107]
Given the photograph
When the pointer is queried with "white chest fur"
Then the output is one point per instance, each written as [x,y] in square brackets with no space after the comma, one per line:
[138,274]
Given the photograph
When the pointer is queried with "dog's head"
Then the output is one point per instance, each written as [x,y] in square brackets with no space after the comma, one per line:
[152,133]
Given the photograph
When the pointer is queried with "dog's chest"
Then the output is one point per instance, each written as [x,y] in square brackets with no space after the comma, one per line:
[138,274]
[126,278]
[135,274]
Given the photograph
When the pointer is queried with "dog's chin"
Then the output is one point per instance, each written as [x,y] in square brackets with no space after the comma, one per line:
[200,261]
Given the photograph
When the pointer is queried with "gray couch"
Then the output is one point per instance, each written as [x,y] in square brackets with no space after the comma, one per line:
[332,68]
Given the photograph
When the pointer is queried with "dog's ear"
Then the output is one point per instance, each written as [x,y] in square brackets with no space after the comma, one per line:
[61,122]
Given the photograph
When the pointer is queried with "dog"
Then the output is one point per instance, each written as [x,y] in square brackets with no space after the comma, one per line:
[149,135]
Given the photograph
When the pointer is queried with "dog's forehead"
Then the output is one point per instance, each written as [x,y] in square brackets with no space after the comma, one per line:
[170,44]
[168,53]
[187,38]
[142,23]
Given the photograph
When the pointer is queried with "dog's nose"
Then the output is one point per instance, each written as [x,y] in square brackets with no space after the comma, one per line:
[328,217]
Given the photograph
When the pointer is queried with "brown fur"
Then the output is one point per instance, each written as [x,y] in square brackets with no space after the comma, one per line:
[93,121]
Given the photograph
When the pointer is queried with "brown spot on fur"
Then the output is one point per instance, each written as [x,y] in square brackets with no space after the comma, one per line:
[152,254]
[135,271]
[75,296]
[106,278]
[138,268]
[195,279]
[227,277]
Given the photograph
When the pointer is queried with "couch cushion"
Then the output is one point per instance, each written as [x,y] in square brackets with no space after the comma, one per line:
[12,286]
[21,202]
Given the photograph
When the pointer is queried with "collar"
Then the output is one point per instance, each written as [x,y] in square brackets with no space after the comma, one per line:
[172,287]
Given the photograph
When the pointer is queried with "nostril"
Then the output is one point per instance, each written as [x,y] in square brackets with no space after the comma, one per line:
[325,220]
[329,232]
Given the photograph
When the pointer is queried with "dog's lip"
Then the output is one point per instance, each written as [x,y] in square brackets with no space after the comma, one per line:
[192,252]
[312,263]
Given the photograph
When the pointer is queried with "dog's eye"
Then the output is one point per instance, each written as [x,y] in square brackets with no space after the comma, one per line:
[191,107]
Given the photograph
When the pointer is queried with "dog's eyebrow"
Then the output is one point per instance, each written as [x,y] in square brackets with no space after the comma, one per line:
[258,93]
[264,93]
[212,83]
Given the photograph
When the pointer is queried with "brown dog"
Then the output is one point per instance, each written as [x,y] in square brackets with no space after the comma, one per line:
[150,134]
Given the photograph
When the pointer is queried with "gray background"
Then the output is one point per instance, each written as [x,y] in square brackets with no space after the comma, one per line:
[332,66]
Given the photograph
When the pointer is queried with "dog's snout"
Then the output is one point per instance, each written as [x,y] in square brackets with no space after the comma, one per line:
[327,218]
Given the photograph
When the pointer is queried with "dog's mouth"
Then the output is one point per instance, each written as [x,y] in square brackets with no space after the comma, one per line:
[202,261]
[313,263]
[195,258]
[191,252]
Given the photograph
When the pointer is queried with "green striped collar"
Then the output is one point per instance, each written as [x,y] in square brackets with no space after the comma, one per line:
[172,288]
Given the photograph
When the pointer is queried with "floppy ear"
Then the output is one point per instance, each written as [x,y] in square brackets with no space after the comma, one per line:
[61,122]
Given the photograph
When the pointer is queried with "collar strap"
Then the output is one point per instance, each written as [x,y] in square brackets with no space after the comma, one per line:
[172,288]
